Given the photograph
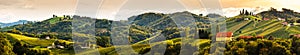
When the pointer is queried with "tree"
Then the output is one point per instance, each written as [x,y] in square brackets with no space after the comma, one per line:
[54,16]
[200,14]
[204,34]
[6,48]
[298,21]
[103,41]
[246,12]
[19,48]
[243,12]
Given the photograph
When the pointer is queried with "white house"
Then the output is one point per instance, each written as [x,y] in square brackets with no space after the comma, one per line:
[281,19]
[47,38]
[59,46]
[246,18]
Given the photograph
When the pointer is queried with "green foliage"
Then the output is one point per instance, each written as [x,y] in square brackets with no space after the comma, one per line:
[103,41]
[20,48]
[6,47]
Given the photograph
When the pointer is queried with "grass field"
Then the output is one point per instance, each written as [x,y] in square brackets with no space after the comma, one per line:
[32,41]
[36,41]
[39,43]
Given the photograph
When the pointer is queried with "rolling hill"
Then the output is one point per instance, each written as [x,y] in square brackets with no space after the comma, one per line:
[2,25]
[151,27]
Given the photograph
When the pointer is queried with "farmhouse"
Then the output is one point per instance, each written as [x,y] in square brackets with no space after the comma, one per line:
[281,19]
[246,18]
[47,38]
[297,35]
[266,19]
[260,37]
[224,36]
[285,23]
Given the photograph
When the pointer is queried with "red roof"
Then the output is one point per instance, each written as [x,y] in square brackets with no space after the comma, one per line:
[259,36]
[297,35]
[266,19]
[245,37]
[224,34]
[285,23]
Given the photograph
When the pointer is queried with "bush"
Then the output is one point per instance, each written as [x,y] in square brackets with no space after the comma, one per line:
[6,47]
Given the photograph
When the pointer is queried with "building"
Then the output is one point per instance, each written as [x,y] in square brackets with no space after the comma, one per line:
[47,38]
[266,19]
[297,35]
[59,46]
[260,37]
[281,19]
[285,23]
[224,36]
[246,18]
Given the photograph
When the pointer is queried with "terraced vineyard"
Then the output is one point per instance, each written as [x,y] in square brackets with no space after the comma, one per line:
[271,30]
[247,33]
[281,33]
[261,27]
[258,25]
[238,26]
[231,24]
[294,29]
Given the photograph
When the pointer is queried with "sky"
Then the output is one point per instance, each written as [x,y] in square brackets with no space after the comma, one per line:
[38,10]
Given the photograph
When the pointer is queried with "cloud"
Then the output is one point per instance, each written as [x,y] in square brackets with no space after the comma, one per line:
[9,2]
[12,4]
[7,17]
[28,4]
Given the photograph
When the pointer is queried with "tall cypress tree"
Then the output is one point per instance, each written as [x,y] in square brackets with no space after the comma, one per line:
[243,12]
[246,13]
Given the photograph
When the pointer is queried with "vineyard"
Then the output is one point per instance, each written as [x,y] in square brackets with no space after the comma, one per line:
[238,26]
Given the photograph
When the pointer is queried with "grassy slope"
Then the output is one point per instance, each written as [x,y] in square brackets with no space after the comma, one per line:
[231,24]
[294,30]
[238,26]
[42,42]
[148,39]
[32,41]
[261,26]
[271,30]
[258,25]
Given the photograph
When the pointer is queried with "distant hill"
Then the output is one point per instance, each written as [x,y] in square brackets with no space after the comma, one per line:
[161,21]
[141,25]
[274,13]
[13,23]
